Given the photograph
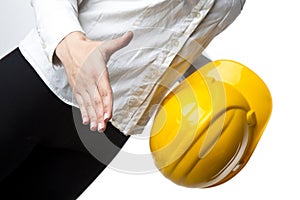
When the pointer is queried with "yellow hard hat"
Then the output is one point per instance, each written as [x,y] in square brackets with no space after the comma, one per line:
[206,129]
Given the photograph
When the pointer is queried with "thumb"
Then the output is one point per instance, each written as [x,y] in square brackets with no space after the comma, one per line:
[114,45]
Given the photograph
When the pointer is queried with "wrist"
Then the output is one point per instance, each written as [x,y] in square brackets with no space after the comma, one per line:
[72,41]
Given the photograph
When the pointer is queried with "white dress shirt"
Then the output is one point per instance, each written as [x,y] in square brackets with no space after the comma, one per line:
[161,29]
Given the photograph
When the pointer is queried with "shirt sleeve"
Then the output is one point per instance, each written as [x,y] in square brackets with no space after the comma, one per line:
[54,20]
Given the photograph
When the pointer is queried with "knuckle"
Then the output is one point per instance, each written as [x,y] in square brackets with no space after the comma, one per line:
[88,104]
[76,92]
[81,106]
[105,53]
[105,93]
[97,102]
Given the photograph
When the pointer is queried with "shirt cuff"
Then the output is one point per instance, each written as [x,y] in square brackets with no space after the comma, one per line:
[55,19]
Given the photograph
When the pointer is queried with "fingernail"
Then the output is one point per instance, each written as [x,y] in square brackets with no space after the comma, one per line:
[105,116]
[93,126]
[85,120]
[100,127]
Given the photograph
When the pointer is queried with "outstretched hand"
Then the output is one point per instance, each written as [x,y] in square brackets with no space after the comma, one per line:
[85,63]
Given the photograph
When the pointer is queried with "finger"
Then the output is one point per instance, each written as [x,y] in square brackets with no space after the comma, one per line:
[105,92]
[113,45]
[107,105]
[90,110]
[83,111]
[98,105]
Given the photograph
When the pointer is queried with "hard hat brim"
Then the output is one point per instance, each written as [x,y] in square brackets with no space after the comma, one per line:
[252,88]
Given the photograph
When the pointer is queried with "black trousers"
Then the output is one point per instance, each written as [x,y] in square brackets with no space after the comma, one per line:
[41,154]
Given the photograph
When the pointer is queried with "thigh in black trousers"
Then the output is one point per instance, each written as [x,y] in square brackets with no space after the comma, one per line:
[41,154]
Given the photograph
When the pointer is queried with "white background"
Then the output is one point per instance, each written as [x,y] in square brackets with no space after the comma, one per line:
[266,39]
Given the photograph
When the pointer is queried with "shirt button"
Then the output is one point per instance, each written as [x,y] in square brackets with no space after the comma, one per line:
[175,43]
[198,15]
[43,45]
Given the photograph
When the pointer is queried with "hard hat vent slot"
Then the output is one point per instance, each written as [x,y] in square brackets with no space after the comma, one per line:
[251,118]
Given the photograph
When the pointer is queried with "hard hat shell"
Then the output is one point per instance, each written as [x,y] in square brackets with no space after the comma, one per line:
[207,128]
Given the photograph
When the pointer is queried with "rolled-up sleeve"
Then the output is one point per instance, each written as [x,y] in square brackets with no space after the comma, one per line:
[54,20]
